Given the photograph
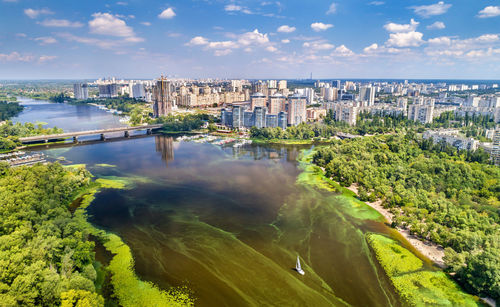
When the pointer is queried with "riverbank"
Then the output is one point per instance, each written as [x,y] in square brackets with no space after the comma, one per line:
[416,283]
[432,251]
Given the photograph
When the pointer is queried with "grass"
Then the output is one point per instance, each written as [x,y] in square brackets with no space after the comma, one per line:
[416,285]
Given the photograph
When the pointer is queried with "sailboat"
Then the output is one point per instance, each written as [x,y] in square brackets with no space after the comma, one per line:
[298,268]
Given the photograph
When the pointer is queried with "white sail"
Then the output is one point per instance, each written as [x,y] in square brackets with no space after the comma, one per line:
[298,268]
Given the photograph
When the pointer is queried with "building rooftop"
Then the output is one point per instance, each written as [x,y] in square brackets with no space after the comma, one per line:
[258,95]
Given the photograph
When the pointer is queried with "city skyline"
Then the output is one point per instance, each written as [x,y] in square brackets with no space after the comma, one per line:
[250,39]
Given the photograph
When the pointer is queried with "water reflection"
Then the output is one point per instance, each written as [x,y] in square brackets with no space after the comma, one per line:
[165,146]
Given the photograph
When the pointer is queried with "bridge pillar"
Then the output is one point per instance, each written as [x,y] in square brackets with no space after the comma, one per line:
[75,139]
[149,131]
[126,134]
[103,138]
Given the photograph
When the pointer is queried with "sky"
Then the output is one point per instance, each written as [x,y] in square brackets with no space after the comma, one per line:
[411,39]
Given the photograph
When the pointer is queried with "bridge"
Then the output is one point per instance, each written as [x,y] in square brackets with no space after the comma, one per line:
[55,137]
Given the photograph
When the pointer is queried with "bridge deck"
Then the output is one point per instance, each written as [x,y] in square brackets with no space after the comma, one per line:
[82,133]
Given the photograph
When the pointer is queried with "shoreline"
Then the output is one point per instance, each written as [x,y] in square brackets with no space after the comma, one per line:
[432,251]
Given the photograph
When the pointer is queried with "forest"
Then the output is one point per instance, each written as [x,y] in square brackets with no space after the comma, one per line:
[46,258]
[183,123]
[9,109]
[443,196]
[10,133]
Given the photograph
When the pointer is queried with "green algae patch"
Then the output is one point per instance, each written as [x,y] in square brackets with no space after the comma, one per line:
[105,165]
[114,183]
[415,285]
[75,166]
[313,176]
[128,288]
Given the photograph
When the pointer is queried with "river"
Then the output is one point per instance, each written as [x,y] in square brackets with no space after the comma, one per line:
[228,223]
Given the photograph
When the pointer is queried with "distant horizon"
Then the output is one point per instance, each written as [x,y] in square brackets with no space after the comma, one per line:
[254,79]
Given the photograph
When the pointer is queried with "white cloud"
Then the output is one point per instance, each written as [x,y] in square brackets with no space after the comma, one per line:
[483,46]
[46,58]
[427,11]
[237,8]
[244,41]
[318,45]
[61,23]
[396,28]
[198,41]
[371,48]
[146,23]
[222,45]
[31,13]
[232,8]
[405,39]
[342,50]
[377,3]
[15,57]
[46,40]
[487,38]
[271,49]
[438,25]
[443,40]
[254,37]
[286,29]
[332,9]
[167,14]
[285,41]
[107,24]
[319,26]
[489,11]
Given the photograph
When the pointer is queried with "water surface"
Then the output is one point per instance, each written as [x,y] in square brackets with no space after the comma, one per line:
[229,223]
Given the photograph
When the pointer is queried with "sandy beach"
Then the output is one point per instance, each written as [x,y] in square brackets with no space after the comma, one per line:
[430,250]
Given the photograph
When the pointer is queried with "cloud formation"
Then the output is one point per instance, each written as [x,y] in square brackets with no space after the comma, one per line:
[167,14]
[438,25]
[32,13]
[110,25]
[61,23]
[332,9]
[489,11]
[396,28]
[319,26]
[405,39]
[286,29]
[427,11]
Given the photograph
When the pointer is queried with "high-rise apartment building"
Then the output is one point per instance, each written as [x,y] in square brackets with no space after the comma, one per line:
[257,100]
[136,90]
[276,103]
[296,109]
[108,90]
[495,151]
[81,91]
[421,113]
[163,100]
[367,96]
[282,84]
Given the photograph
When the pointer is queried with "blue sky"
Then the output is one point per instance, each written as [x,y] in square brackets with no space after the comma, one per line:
[250,39]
